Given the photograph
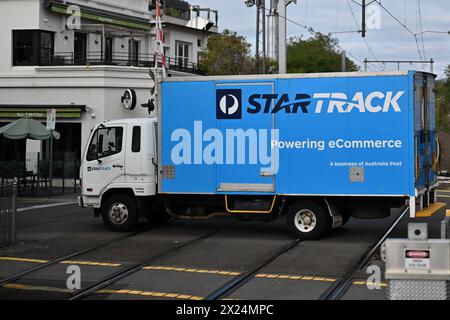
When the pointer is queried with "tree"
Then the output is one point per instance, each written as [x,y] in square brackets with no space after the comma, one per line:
[227,54]
[443,102]
[316,54]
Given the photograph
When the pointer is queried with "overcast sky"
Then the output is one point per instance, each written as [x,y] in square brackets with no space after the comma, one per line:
[391,42]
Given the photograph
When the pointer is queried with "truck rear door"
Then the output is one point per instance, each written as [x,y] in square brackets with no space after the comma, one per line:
[248,156]
[425,131]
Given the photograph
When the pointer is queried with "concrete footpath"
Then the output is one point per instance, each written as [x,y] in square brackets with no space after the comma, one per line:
[28,203]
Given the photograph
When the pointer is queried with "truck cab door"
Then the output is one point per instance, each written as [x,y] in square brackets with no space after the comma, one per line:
[104,162]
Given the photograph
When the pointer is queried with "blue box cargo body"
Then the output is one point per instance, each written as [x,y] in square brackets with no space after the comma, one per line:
[336,134]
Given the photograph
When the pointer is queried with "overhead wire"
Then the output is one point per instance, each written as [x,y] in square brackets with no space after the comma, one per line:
[357,25]
[314,33]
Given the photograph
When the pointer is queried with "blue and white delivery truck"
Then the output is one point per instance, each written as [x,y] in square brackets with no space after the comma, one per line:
[319,148]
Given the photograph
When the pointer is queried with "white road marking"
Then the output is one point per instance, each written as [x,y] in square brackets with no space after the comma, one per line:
[50,205]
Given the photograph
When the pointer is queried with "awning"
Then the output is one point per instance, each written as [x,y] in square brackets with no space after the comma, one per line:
[40,112]
[91,14]
[27,128]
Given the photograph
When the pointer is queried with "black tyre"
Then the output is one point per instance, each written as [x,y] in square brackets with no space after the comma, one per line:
[120,213]
[308,220]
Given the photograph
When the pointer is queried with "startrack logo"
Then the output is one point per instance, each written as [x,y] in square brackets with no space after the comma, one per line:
[229,103]
[374,102]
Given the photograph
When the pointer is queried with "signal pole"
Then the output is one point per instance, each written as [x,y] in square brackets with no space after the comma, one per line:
[261,36]
[282,37]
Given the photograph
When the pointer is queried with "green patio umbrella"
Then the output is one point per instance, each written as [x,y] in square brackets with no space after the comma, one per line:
[27,128]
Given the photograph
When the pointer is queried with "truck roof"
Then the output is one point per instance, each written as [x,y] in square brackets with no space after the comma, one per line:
[131,120]
[290,76]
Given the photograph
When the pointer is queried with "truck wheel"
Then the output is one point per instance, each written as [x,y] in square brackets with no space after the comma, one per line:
[308,220]
[120,213]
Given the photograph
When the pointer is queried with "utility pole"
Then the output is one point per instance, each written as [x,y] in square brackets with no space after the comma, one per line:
[343,62]
[272,33]
[282,54]
[363,22]
[260,52]
[261,36]
[282,67]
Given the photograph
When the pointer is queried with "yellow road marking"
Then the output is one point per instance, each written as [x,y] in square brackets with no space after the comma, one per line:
[23,260]
[442,196]
[291,277]
[42,261]
[432,209]
[363,283]
[231,273]
[35,288]
[92,263]
[446,191]
[151,294]
[204,271]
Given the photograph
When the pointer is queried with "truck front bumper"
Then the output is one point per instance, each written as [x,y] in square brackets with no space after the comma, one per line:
[89,201]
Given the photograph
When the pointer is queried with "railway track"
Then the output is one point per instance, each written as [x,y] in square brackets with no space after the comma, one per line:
[334,292]
[338,290]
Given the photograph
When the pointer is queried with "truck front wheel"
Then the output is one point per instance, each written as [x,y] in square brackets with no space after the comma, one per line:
[120,213]
[308,220]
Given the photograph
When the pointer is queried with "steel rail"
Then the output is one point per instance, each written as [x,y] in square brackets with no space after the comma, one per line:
[338,290]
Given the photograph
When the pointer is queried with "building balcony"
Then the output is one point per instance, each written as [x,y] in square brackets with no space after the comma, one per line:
[116,59]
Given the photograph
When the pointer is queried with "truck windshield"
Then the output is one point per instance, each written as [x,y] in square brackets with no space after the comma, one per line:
[104,143]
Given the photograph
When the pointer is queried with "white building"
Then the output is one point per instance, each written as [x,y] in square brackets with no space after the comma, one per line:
[80,56]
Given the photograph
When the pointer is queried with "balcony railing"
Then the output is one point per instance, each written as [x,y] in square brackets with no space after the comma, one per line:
[116,59]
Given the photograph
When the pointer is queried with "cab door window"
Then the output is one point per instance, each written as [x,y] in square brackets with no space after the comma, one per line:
[105,142]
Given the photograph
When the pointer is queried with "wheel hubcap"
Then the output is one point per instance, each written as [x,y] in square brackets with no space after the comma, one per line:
[305,220]
[118,214]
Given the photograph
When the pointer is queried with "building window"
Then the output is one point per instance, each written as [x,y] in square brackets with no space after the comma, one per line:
[199,42]
[32,47]
[109,45]
[133,52]
[182,54]
[80,48]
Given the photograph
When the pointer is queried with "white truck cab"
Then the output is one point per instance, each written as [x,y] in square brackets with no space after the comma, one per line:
[118,160]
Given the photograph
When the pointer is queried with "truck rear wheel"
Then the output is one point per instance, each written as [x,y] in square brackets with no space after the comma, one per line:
[120,213]
[308,220]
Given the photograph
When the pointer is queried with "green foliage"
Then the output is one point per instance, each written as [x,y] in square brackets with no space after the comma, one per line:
[316,54]
[443,102]
[230,54]
[227,54]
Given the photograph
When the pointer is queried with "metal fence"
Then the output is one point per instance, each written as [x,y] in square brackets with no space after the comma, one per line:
[8,209]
